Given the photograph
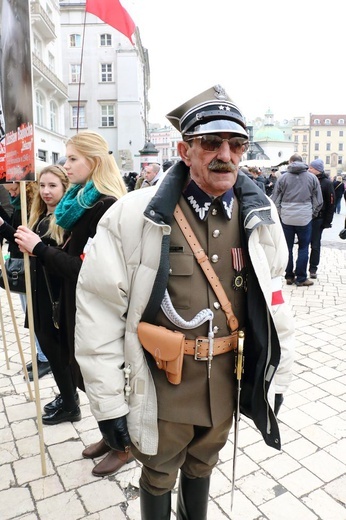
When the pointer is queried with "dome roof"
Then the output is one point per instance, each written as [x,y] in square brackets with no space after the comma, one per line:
[269,133]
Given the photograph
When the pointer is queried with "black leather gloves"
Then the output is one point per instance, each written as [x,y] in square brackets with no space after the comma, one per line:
[279,399]
[115,433]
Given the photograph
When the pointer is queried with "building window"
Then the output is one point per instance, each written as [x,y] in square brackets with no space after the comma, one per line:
[341,121]
[74,73]
[327,159]
[39,108]
[317,147]
[295,148]
[53,116]
[105,40]
[340,159]
[37,47]
[328,147]
[75,40]
[341,147]
[42,154]
[55,157]
[107,115]
[51,62]
[329,133]
[106,72]
[316,121]
[304,148]
[296,139]
[341,133]
[327,121]
[305,138]
[80,115]
[317,133]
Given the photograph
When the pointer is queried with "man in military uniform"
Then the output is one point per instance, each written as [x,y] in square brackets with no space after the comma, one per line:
[150,275]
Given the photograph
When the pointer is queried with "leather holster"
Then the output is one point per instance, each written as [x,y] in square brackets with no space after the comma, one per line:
[167,348]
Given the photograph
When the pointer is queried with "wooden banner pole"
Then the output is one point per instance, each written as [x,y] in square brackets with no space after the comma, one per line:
[15,326]
[4,337]
[31,330]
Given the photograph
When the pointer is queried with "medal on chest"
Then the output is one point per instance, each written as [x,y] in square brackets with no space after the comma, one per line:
[239,279]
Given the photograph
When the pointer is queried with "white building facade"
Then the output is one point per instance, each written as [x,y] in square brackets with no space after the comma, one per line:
[49,91]
[107,80]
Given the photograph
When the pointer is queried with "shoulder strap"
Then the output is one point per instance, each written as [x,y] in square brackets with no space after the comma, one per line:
[209,272]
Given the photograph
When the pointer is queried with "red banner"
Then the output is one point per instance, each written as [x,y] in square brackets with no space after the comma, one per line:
[17,153]
[112,13]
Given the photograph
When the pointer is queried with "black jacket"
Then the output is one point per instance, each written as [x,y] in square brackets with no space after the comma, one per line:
[328,193]
[66,262]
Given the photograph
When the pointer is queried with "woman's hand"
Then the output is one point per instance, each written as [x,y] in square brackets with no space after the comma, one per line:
[26,239]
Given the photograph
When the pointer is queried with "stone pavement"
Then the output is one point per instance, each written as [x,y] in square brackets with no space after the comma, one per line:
[305,481]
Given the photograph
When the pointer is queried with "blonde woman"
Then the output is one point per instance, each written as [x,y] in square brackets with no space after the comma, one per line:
[96,185]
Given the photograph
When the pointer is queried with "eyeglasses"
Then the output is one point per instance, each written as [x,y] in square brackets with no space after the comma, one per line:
[211,143]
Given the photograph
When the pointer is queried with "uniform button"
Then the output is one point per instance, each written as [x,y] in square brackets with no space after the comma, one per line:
[215,258]
[216,305]
[216,233]
[214,211]
[215,329]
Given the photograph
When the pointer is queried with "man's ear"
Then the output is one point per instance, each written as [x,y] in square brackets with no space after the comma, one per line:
[183,150]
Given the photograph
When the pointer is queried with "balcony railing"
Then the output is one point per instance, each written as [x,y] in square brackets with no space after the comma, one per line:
[37,9]
[45,71]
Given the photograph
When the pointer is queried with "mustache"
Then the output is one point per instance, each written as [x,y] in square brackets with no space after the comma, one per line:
[219,166]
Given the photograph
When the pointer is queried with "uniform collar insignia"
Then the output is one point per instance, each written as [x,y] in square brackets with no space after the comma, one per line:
[200,202]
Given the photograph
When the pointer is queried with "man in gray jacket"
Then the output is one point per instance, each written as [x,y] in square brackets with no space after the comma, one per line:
[298,198]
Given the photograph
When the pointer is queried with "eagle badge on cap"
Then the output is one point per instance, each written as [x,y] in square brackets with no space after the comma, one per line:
[220,92]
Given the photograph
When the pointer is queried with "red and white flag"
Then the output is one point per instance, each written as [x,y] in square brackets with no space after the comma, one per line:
[112,13]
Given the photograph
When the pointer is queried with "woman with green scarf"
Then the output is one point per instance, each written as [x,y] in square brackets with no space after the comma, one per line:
[96,183]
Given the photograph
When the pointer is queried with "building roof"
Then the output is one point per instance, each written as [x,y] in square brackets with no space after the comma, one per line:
[269,133]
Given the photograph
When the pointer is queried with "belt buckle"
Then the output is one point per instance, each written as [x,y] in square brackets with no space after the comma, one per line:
[199,342]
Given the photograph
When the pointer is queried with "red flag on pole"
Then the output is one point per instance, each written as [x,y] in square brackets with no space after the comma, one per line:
[112,13]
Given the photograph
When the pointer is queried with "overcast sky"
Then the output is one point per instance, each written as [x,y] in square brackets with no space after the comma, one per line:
[286,55]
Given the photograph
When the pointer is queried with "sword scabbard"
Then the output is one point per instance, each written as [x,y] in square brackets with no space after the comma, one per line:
[239,369]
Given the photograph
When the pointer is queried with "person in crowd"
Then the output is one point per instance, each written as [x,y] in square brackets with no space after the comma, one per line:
[324,218]
[257,177]
[53,184]
[246,171]
[152,175]
[6,208]
[261,180]
[7,231]
[130,180]
[147,276]
[96,185]
[140,179]
[298,198]
[339,188]
[166,165]
[271,181]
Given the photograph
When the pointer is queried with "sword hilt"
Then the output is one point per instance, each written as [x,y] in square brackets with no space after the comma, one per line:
[239,363]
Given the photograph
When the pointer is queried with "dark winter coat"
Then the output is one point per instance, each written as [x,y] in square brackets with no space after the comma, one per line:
[66,262]
[328,193]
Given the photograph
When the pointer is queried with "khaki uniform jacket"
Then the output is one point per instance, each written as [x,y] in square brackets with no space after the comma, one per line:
[117,285]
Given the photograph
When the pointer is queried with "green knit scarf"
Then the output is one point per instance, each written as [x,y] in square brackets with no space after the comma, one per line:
[76,201]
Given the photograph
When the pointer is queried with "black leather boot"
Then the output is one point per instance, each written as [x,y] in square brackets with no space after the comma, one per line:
[193,494]
[155,507]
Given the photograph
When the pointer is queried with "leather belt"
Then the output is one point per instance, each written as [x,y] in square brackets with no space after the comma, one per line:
[199,347]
